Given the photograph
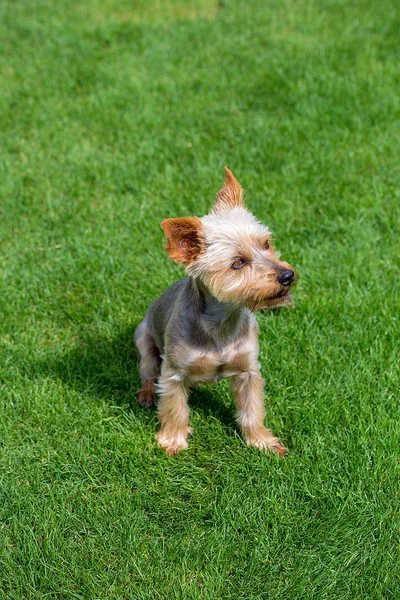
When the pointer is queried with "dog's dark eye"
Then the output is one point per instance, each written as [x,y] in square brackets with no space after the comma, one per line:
[266,245]
[239,263]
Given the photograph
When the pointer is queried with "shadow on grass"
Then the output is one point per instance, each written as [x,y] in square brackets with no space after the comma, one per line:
[99,365]
[108,368]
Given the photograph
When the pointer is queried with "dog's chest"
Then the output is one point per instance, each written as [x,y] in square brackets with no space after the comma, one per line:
[211,366]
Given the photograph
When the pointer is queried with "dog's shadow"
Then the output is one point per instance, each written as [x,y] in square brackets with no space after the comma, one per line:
[107,367]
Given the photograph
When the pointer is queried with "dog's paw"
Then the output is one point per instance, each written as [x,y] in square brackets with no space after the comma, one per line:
[147,396]
[173,443]
[264,440]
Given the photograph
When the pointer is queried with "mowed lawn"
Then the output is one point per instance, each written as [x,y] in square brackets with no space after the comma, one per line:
[114,115]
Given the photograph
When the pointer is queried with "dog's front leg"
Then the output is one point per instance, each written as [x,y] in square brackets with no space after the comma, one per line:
[248,389]
[173,411]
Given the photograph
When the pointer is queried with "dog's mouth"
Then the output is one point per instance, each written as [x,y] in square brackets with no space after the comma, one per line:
[282,298]
[280,294]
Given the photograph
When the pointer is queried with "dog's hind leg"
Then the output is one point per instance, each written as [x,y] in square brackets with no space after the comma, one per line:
[149,364]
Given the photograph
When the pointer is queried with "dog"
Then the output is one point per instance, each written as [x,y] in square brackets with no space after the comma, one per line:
[203,327]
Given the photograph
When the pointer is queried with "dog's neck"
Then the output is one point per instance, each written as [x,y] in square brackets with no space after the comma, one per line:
[222,321]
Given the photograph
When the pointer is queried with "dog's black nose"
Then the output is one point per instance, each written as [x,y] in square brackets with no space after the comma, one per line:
[286,277]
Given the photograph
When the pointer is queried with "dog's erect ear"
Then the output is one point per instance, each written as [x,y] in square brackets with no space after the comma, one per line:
[231,195]
[184,239]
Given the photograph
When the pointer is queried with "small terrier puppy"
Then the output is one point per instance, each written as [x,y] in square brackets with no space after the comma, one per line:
[203,328]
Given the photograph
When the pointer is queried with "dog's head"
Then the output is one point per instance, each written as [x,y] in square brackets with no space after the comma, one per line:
[230,251]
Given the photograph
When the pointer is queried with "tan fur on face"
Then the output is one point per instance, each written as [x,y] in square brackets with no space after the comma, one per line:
[184,238]
[210,246]
[229,235]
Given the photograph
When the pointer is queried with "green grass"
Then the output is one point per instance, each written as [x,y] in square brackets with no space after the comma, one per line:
[113,116]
